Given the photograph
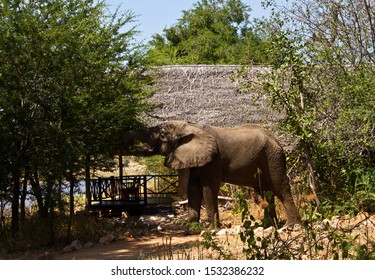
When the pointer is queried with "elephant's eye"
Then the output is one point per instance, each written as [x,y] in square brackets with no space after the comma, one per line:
[163,136]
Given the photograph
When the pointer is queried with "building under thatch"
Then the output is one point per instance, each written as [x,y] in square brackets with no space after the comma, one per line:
[207,94]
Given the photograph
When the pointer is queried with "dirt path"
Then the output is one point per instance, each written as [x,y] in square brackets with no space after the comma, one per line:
[163,238]
[133,248]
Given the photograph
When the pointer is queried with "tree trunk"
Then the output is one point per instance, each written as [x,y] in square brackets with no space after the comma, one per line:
[15,202]
[71,204]
[60,204]
[23,199]
[311,173]
[2,218]
[37,192]
[49,211]
[88,182]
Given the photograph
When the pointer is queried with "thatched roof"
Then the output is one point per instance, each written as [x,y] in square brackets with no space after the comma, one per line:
[207,94]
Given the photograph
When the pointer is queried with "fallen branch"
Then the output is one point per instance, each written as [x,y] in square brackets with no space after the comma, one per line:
[226,198]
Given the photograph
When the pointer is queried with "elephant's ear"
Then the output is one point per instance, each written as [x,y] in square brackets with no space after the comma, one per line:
[194,148]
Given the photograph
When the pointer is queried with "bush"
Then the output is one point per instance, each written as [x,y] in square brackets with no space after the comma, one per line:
[325,89]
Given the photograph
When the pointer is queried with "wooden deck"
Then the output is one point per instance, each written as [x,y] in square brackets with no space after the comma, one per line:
[132,193]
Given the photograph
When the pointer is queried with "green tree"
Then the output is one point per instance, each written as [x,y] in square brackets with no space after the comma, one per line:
[70,82]
[322,79]
[212,32]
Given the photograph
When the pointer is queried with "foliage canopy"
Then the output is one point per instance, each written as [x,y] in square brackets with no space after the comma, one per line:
[212,32]
[70,81]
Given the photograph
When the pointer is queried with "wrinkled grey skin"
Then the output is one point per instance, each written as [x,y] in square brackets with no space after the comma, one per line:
[206,156]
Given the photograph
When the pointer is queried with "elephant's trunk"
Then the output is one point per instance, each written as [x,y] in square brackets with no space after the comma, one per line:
[147,142]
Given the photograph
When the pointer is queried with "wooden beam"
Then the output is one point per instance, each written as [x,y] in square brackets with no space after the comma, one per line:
[121,166]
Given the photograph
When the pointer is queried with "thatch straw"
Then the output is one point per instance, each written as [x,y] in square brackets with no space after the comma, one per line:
[207,94]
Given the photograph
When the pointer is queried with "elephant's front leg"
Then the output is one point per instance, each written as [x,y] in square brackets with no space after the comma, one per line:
[195,196]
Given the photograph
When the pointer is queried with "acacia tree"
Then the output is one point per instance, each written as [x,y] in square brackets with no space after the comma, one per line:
[70,81]
[212,32]
[323,79]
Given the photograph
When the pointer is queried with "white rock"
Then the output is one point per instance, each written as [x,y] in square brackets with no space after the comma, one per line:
[88,244]
[67,249]
[326,222]
[128,234]
[297,227]
[107,239]
[237,230]
[324,225]
[335,222]
[223,232]
[153,220]
[259,231]
[76,245]
[212,232]
[268,231]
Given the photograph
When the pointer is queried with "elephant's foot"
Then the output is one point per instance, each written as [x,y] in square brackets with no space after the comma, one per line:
[292,223]
[214,220]
[291,227]
[193,215]
[293,217]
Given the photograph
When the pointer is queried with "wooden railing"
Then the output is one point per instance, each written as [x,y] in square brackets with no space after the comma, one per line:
[133,188]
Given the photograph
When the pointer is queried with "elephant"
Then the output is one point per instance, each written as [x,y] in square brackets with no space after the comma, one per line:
[246,155]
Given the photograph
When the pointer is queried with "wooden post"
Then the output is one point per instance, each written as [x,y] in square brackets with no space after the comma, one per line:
[113,187]
[94,184]
[145,188]
[100,189]
[121,166]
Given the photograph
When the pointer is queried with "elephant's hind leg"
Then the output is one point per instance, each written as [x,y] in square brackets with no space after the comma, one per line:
[210,194]
[292,215]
